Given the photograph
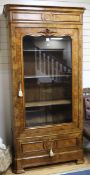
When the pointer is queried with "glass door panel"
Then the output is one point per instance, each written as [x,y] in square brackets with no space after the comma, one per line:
[47,80]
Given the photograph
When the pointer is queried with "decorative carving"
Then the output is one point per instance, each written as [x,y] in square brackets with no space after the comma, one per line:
[47,17]
[48,144]
[47,32]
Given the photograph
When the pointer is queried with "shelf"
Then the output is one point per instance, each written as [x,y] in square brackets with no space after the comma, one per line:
[40,50]
[47,103]
[29,50]
[47,76]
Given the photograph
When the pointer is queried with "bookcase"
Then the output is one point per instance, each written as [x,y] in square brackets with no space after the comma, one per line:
[46,64]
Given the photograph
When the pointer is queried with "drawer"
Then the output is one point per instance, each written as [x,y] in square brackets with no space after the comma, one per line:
[51,151]
[43,147]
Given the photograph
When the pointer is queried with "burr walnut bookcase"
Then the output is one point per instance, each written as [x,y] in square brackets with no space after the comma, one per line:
[46,63]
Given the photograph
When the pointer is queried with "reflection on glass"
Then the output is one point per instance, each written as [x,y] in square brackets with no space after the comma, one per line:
[47,80]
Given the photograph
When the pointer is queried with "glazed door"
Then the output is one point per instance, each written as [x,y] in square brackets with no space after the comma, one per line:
[50,79]
[47,80]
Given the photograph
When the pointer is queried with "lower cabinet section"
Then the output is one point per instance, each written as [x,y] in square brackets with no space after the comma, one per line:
[49,151]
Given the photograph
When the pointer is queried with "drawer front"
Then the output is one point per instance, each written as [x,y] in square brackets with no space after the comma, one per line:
[44,147]
[45,17]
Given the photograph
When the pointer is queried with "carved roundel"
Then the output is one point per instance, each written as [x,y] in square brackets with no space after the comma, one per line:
[47,17]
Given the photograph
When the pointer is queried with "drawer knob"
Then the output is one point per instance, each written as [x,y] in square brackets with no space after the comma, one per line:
[51,153]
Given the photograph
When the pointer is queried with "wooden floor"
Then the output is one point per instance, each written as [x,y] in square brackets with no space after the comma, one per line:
[59,168]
